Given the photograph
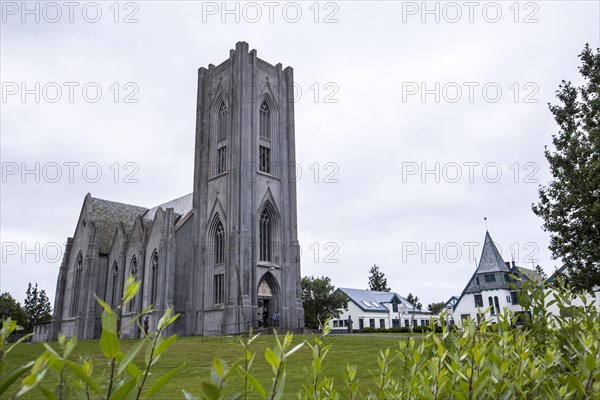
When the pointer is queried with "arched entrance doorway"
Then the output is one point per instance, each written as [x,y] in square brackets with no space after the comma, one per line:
[268,300]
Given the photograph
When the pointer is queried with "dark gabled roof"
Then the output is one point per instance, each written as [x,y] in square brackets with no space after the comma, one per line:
[371,300]
[181,206]
[107,215]
[491,260]
[530,274]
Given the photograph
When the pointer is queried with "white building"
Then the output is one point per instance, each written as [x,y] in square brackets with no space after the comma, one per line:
[489,290]
[372,309]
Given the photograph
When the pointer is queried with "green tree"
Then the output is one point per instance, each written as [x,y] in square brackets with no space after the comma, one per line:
[37,305]
[321,300]
[414,300]
[435,307]
[11,308]
[377,280]
[570,203]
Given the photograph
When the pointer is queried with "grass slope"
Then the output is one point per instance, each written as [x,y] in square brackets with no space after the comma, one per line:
[198,353]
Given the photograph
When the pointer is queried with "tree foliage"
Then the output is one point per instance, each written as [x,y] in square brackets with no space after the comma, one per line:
[11,308]
[414,300]
[377,280]
[321,300]
[570,203]
[37,305]
[435,307]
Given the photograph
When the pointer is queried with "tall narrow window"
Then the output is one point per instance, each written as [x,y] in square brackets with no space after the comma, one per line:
[115,285]
[265,121]
[154,282]
[491,303]
[264,159]
[221,160]
[219,289]
[222,121]
[265,235]
[76,287]
[133,269]
[497,304]
[219,244]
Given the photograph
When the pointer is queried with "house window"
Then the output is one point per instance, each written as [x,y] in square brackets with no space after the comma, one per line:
[478,300]
[497,304]
[264,160]
[265,235]
[395,323]
[394,307]
[154,281]
[406,322]
[508,299]
[514,297]
[221,160]
[382,323]
[491,304]
[76,286]
[489,278]
[265,121]
[219,244]
[426,322]
[372,322]
[422,322]
[464,317]
[222,121]
[219,288]
[361,323]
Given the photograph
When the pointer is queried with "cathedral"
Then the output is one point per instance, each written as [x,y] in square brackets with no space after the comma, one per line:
[222,255]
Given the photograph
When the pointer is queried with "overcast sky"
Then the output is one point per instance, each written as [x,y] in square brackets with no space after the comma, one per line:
[414,121]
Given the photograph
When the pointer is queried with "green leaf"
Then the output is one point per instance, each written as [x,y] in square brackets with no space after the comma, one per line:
[295,349]
[80,373]
[164,345]
[109,344]
[13,376]
[272,358]
[162,381]
[123,390]
[211,391]
[130,356]
[131,289]
[255,384]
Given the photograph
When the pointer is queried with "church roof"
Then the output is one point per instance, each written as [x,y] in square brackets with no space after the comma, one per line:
[491,260]
[181,205]
[106,216]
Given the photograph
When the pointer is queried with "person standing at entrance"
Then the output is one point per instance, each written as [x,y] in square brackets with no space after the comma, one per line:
[275,318]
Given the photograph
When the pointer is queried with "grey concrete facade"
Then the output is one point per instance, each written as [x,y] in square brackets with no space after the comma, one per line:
[222,255]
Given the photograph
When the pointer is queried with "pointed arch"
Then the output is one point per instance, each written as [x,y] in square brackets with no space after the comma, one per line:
[266,229]
[154,277]
[264,126]
[133,271]
[115,285]
[76,286]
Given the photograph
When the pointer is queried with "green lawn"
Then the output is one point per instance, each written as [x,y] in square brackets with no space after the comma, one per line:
[197,354]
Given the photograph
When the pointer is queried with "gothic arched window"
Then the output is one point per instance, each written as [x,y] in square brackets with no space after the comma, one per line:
[265,235]
[76,286]
[219,244]
[265,121]
[133,270]
[115,285]
[154,281]
[222,121]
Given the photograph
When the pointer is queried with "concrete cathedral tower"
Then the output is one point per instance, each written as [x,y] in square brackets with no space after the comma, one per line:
[246,252]
[225,256]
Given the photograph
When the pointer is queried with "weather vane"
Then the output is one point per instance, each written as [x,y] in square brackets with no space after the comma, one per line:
[485,219]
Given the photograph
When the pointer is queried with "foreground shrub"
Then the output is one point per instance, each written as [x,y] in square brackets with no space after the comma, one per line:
[550,357]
